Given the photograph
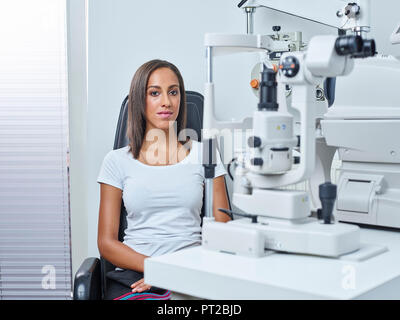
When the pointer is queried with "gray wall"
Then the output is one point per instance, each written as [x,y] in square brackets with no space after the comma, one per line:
[123,34]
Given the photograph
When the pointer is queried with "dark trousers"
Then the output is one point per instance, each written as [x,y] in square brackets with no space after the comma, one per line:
[119,287]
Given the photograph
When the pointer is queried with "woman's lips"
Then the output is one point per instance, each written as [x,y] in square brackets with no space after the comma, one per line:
[164,115]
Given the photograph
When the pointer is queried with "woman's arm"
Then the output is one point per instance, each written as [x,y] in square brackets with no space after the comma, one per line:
[109,246]
[220,199]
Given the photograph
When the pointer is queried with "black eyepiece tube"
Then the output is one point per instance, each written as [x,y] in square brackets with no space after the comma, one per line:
[268,90]
[368,49]
[348,45]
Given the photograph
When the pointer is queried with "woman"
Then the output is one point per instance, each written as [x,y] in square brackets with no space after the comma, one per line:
[159,178]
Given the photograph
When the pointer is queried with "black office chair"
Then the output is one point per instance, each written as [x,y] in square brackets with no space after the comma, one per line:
[90,280]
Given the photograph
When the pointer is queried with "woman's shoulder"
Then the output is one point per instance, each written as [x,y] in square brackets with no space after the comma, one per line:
[117,154]
[194,148]
[124,151]
[194,144]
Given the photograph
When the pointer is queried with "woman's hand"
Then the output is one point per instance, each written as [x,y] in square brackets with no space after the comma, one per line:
[140,286]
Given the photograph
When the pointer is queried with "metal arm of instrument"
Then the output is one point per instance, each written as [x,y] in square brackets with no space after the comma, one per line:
[333,13]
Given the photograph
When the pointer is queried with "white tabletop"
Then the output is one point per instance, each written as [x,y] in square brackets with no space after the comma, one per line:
[212,275]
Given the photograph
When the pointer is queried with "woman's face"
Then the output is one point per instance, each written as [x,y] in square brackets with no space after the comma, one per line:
[162,99]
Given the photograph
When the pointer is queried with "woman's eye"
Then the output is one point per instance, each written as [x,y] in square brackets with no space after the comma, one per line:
[154,93]
[174,92]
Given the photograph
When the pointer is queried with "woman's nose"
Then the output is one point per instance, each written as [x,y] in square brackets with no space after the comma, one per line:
[165,100]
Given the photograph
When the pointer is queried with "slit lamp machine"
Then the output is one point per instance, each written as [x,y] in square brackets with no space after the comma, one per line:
[296,133]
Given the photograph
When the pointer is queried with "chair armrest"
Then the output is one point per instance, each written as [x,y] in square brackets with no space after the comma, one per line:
[87,284]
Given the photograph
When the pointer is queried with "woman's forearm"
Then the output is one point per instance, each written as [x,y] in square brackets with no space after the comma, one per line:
[121,255]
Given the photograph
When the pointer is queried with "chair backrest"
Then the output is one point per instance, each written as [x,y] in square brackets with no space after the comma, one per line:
[194,120]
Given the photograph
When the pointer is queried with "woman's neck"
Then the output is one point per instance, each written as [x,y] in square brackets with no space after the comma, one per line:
[161,139]
[160,147]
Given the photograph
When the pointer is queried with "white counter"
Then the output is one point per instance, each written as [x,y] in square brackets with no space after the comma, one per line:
[212,275]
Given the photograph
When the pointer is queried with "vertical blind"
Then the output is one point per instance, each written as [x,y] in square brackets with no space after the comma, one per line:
[35,249]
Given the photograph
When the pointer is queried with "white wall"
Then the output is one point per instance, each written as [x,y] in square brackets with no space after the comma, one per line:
[123,34]
[77,101]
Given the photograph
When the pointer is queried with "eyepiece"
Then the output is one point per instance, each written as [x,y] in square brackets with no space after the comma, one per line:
[355,46]
[348,45]
[368,49]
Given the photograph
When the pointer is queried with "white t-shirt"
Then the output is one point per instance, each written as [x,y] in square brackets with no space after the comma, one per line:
[163,203]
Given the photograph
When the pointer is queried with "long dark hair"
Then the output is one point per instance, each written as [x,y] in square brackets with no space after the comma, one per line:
[137,103]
